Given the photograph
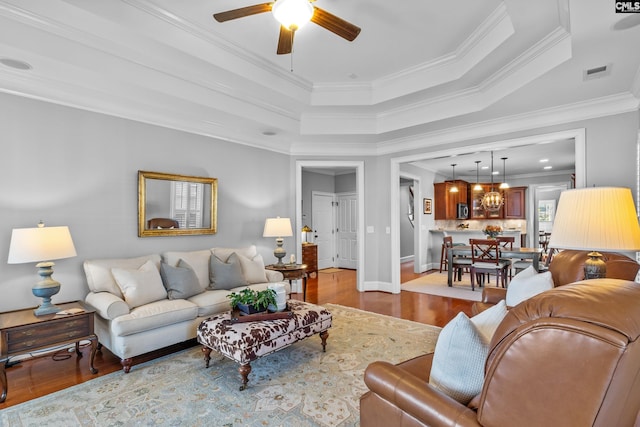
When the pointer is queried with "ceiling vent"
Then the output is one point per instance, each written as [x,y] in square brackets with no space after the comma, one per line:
[596,72]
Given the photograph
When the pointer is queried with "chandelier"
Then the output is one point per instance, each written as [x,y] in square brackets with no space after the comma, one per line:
[492,201]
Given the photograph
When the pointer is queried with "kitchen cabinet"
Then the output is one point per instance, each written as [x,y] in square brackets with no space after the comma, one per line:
[476,211]
[513,207]
[514,203]
[445,202]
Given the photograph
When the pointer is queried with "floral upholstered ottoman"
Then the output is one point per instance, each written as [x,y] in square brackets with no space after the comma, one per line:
[244,342]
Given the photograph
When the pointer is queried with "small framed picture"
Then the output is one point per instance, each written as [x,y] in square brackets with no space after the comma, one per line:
[427,206]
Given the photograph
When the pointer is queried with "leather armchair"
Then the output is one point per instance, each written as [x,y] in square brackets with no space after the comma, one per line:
[567,267]
[567,357]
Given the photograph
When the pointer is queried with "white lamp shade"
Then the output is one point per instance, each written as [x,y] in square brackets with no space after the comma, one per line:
[596,219]
[277,227]
[40,244]
[292,14]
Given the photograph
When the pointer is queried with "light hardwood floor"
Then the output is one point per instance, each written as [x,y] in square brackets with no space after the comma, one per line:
[43,375]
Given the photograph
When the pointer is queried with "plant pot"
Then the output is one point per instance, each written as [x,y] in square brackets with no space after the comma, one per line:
[249,309]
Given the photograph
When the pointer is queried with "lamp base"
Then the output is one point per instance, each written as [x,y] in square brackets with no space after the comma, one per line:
[595,267]
[45,289]
[279,251]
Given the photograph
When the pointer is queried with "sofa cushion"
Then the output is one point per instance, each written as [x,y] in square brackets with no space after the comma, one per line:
[461,351]
[100,278]
[180,281]
[212,302]
[253,269]
[225,253]
[526,284]
[154,315]
[198,260]
[226,275]
[140,286]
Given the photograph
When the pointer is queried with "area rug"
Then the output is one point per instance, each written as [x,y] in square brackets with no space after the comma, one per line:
[436,284]
[296,386]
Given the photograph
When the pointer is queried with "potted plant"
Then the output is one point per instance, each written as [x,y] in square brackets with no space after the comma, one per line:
[250,302]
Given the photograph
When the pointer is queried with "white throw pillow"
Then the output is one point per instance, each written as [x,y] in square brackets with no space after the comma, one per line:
[253,269]
[526,284]
[140,286]
[458,360]
[487,322]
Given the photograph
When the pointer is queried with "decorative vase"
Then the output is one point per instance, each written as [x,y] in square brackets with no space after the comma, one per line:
[281,297]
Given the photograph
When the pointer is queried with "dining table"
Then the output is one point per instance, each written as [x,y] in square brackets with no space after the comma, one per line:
[533,254]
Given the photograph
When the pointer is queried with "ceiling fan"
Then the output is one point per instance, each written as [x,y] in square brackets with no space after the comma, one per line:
[292,14]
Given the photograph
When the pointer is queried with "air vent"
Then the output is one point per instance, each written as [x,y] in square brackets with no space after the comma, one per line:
[596,72]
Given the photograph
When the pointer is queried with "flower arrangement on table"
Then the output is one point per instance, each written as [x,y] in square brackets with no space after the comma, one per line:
[492,231]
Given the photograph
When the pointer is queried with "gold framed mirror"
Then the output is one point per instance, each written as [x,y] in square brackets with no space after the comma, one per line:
[176,205]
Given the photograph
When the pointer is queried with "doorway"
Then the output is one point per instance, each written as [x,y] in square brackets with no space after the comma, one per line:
[355,242]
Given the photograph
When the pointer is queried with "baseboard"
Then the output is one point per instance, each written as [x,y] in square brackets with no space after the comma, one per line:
[379,286]
[407,258]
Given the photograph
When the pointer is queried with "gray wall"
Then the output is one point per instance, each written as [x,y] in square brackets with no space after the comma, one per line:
[71,167]
[406,229]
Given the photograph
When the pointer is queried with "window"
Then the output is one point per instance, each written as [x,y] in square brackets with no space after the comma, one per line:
[546,210]
[187,203]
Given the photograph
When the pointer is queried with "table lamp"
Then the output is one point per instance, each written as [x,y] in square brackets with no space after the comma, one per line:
[41,245]
[596,219]
[278,228]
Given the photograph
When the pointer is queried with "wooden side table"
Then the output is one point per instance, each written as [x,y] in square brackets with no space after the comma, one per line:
[22,332]
[310,257]
[293,272]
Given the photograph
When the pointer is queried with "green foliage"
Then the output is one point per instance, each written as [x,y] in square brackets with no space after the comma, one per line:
[259,299]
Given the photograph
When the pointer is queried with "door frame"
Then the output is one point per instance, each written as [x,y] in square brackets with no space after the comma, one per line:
[419,248]
[578,135]
[359,167]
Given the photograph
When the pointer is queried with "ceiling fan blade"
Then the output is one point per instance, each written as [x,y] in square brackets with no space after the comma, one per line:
[285,41]
[242,12]
[334,24]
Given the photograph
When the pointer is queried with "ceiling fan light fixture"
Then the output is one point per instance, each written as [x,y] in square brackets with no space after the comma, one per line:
[292,14]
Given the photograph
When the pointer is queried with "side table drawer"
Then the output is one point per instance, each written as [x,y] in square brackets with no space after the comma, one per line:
[50,333]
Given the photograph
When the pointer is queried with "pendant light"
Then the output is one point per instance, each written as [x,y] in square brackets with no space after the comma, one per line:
[504,174]
[492,201]
[477,187]
[454,188]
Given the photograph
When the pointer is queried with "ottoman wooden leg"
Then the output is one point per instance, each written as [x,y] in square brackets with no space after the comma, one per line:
[323,336]
[244,373]
[207,355]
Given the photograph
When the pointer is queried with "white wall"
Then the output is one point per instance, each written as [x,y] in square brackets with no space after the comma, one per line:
[71,167]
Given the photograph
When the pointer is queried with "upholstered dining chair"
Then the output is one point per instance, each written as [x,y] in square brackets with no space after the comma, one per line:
[154,223]
[485,259]
[459,263]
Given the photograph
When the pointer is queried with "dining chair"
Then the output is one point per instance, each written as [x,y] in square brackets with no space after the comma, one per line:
[459,263]
[485,259]
[507,243]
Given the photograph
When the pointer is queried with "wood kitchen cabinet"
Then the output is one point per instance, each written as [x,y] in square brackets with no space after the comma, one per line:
[514,203]
[476,211]
[445,202]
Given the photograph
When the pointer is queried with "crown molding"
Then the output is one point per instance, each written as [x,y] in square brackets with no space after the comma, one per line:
[487,37]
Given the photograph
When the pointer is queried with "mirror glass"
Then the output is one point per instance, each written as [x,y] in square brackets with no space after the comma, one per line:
[175,205]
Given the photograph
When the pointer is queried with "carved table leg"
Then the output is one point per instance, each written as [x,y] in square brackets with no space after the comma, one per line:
[126,364]
[207,355]
[324,335]
[3,380]
[94,349]
[244,373]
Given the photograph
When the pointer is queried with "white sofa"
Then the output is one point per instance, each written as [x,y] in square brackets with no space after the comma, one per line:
[142,305]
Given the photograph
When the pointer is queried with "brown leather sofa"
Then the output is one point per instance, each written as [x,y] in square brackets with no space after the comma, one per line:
[567,357]
[567,267]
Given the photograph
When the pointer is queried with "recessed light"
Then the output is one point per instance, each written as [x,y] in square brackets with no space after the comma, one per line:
[15,63]
[548,167]
[544,160]
[484,167]
[495,173]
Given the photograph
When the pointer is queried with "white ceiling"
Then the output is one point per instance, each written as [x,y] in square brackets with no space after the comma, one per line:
[417,68]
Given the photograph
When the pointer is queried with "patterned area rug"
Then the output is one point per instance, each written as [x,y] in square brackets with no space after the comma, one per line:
[296,386]
[436,284]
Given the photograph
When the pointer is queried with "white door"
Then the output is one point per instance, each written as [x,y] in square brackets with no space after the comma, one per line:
[322,218]
[347,231]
